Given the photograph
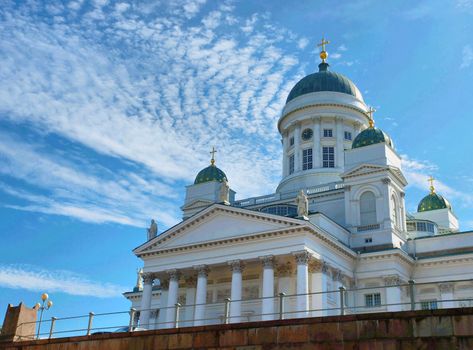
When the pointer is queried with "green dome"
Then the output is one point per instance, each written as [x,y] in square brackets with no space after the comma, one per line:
[371,136]
[433,201]
[324,80]
[211,173]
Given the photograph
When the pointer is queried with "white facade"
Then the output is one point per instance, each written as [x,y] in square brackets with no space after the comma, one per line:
[229,261]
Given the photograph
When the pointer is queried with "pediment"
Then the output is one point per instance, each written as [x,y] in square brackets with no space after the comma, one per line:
[364,169]
[218,222]
[199,203]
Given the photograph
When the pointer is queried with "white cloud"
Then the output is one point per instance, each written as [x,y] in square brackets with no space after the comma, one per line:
[302,43]
[57,281]
[467,57]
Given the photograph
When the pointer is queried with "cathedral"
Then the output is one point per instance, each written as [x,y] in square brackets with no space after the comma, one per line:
[334,236]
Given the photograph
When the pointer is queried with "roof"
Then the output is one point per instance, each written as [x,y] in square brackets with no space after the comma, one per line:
[211,173]
[433,201]
[324,80]
[371,136]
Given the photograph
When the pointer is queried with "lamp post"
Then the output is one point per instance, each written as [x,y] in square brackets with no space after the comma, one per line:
[45,305]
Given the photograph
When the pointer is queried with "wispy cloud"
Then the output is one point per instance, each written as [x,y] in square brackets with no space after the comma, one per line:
[55,281]
[467,56]
[418,172]
[152,83]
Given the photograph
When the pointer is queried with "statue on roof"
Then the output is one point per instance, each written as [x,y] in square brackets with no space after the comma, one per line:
[302,205]
[224,192]
[152,230]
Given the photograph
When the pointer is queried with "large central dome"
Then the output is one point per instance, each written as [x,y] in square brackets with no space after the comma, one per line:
[324,80]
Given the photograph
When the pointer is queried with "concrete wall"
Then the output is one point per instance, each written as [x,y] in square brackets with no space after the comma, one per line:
[436,329]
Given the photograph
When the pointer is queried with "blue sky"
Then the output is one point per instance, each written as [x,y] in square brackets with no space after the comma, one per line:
[109,108]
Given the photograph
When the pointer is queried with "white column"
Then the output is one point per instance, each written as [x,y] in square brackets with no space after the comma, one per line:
[316,153]
[201,294]
[188,310]
[285,147]
[302,284]
[237,284]
[297,148]
[286,285]
[393,293]
[173,295]
[340,156]
[145,311]
[318,284]
[337,283]
[267,306]
[163,302]
[446,293]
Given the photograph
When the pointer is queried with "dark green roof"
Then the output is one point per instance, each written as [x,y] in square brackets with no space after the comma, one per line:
[324,80]
[211,173]
[371,136]
[433,201]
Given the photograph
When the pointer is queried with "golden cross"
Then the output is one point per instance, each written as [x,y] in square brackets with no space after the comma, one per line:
[370,112]
[431,180]
[323,43]
[212,152]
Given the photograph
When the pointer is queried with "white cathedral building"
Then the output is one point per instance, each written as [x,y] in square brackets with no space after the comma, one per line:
[337,219]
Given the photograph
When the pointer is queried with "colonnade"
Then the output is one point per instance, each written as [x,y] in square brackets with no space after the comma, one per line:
[196,290]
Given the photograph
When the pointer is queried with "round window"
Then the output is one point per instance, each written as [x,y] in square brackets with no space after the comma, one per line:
[307,134]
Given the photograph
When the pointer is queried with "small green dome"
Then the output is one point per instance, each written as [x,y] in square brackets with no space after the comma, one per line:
[324,80]
[433,201]
[371,136]
[211,173]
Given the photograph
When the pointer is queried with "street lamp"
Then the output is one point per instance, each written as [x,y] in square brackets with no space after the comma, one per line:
[45,305]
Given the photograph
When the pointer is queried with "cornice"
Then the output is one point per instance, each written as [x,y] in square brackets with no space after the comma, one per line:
[445,260]
[359,110]
[388,254]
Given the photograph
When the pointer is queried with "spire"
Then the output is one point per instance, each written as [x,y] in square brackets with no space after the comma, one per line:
[370,113]
[323,55]
[432,188]
[212,152]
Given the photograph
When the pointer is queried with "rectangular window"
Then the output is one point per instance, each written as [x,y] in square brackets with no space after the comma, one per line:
[307,159]
[348,135]
[373,300]
[369,240]
[411,226]
[328,133]
[430,227]
[328,157]
[291,141]
[428,304]
[291,164]
[421,226]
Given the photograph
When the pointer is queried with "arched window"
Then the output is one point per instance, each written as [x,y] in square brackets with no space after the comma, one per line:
[367,209]
[394,211]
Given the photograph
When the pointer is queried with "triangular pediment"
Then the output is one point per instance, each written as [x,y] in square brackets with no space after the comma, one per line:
[364,169]
[367,169]
[218,222]
[199,203]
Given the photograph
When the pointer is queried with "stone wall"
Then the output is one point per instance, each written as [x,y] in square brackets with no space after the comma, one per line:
[436,329]
[19,323]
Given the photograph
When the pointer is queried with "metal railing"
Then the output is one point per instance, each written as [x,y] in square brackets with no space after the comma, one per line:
[342,301]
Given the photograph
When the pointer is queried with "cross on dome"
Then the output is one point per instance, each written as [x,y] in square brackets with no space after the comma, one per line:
[212,152]
[370,113]
[323,53]
[432,188]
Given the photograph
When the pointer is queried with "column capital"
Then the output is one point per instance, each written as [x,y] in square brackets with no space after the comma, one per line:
[446,287]
[392,280]
[202,270]
[337,275]
[149,277]
[302,257]
[285,270]
[174,274]
[267,261]
[236,265]
[316,265]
